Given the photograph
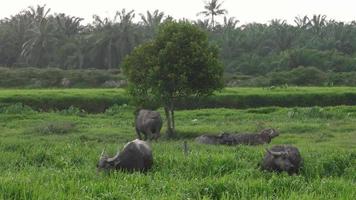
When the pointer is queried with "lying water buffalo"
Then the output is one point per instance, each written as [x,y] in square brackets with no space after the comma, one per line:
[149,123]
[135,156]
[265,136]
[282,158]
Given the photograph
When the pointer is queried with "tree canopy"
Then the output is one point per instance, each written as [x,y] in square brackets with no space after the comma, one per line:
[179,62]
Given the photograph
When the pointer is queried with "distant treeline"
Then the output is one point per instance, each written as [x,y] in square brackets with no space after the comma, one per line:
[29,77]
[37,38]
[58,78]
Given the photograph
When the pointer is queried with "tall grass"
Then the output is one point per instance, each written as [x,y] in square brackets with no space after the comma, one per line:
[62,166]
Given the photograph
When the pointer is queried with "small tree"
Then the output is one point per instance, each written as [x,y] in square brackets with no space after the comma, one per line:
[178,63]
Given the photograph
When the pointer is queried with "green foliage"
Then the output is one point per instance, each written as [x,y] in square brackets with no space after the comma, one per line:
[117,109]
[81,101]
[54,77]
[179,62]
[64,166]
[307,113]
[37,38]
[345,78]
[54,128]
[75,101]
[299,76]
[15,108]
[73,111]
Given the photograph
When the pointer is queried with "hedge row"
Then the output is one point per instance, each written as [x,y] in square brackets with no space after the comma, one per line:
[98,100]
[90,100]
[59,78]
[260,100]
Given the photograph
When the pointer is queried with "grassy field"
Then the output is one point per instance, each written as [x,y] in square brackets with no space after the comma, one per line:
[52,155]
[98,100]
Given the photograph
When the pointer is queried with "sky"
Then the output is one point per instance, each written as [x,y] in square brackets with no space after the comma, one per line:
[246,11]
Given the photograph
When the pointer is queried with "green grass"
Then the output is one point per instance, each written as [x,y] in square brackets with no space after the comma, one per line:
[37,164]
[98,100]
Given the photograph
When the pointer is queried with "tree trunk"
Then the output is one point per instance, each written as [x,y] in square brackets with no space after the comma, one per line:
[212,20]
[173,122]
[169,111]
[109,55]
[81,60]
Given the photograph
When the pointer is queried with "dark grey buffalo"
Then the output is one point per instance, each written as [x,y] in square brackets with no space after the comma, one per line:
[282,158]
[149,123]
[135,156]
[265,136]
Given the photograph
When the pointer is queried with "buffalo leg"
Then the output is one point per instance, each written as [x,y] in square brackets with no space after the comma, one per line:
[149,135]
[138,134]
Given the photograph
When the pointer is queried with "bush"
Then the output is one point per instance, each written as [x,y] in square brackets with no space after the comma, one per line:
[303,76]
[80,101]
[54,77]
[345,78]
[17,108]
[330,60]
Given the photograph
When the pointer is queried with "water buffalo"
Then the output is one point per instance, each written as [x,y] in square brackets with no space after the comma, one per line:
[135,156]
[282,158]
[149,123]
[265,136]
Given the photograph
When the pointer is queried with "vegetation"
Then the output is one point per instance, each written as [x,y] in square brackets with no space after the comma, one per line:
[51,139]
[177,64]
[213,9]
[98,100]
[58,78]
[96,78]
[63,166]
[253,54]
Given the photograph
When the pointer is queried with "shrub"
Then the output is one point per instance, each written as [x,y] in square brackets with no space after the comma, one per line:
[53,77]
[304,76]
[17,108]
[77,102]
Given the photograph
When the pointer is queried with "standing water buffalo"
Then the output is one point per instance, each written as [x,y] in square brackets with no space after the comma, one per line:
[149,123]
[265,136]
[282,158]
[135,156]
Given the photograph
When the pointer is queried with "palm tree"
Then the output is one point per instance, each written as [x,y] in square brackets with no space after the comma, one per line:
[203,24]
[151,21]
[12,33]
[230,23]
[68,26]
[317,23]
[129,36]
[282,35]
[303,23]
[213,8]
[113,39]
[39,37]
[104,37]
